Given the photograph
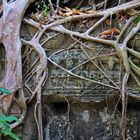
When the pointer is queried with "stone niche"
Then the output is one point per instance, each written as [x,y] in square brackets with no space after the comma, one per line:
[83,120]
[88,121]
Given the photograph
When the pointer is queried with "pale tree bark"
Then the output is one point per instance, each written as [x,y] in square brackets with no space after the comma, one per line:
[10,24]
[10,38]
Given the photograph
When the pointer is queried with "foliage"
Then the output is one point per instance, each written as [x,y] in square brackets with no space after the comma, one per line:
[3,90]
[136,20]
[42,7]
[6,120]
[45,9]
[5,126]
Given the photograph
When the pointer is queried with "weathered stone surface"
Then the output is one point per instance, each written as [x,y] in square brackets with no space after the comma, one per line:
[70,60]
[52,41]
[87,121]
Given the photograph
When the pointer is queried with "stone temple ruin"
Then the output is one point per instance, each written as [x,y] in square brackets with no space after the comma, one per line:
[75,107]
[93,110]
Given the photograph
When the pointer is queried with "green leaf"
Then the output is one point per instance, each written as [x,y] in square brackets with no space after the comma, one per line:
[14,136]
[4,125]
[136,20]
[10,118]
[7,132]
[5,91]
[4,118]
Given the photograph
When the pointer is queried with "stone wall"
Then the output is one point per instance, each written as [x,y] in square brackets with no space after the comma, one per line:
[84,121]
[93,111]
[75,107]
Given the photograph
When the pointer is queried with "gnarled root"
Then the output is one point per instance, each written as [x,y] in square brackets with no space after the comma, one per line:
[21,101]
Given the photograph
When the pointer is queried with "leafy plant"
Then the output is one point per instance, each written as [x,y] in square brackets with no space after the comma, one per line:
[42,7]
[136,20]
[6,120]
[45,9]
[3,90]
[5,126]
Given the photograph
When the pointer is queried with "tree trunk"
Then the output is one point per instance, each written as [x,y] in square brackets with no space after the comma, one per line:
[10,37]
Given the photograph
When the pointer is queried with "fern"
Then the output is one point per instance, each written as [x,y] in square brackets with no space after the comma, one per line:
[7,132]
[5,126]
[3,90]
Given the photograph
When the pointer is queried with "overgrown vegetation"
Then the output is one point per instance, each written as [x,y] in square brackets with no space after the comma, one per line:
[42,12]
[5,126]
[36,73]
[6,120]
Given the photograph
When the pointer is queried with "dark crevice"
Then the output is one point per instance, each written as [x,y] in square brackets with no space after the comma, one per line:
[60,107]
[2,61]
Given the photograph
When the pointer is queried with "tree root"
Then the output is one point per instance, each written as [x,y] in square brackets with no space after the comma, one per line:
[121,48]
[124,105]
[38,71]
[22,104]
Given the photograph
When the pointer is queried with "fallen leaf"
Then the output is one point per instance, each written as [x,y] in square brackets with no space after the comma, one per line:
[110,32]
[77,12]
[69,12]
[132,12]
